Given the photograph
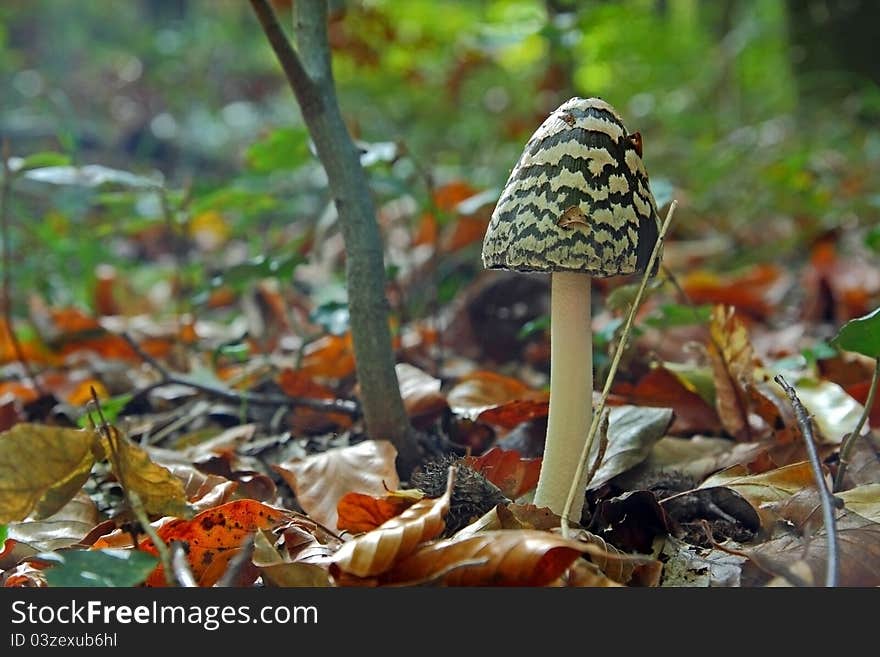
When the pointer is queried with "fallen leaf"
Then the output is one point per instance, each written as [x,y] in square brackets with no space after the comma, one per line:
[26,574]
[514,475]
[420,391]
[858,542]
[41,469]
[360,513]
[376,551]
[525,557]
[98,568]
[331,357]
[214,537]
[160,492]
[67,527]
[483,390]
[632,432]
[321,480]
[630,521]
[699,456]
[733,364]
[662,388]
[754,291]
[834,412]
[863,500]
[309,420]
[686,565]
[281,572]
[512,413]
[760,489]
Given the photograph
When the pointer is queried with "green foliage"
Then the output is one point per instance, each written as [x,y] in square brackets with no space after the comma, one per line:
[98,568]
[861,335]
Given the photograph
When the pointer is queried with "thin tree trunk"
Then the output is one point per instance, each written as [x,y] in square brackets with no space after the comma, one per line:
[309,71]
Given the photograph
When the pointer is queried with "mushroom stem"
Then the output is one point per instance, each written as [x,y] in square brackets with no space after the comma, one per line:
[571,390]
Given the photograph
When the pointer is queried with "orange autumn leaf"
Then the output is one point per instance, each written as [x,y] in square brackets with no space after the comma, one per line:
[360,513]
[465,231]
[483,390]
[214,537]
[515,412]
[420,391]
[296,383]
[753,292]
[507,557]
[376,551]
[331,356]
[447,196]
[31,351]
[505,468]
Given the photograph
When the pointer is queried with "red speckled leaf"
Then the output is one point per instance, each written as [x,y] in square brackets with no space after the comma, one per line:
[214,537]
[514,475]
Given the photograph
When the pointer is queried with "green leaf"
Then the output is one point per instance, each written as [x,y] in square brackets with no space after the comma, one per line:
[111,408]
[861,335]
[283,149]
[39,160]
[239,276]
[673,314]
[91,175]
[111,567]
[41,468]
[872,239]
[533,326]
[2,535]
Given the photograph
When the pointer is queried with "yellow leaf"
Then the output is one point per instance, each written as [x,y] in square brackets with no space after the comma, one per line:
[42,468]
[160,491]
[864,500]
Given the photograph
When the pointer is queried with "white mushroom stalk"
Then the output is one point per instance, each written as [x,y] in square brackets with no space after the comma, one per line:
[571,385]
[576,205]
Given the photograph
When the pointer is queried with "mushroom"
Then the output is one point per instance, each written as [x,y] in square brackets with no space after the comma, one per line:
[577,205]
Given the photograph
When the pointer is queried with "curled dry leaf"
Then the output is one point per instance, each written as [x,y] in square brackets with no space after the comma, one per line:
[733,364]
[375,552]
[525,557]
[282,572]
[362,513]
[214,537]
[321,480]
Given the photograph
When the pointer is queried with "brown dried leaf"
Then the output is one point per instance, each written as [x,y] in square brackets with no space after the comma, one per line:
[321,480]
[733,363]
[760,489]
[525,557]
[65,528]
[420,391]
[375,552]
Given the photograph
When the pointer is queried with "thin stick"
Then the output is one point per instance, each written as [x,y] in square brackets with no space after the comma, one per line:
[850,441]
[603,445]
[169,378]
[237,564]
[806,427]
[5,193]
[183,574]
[615,363]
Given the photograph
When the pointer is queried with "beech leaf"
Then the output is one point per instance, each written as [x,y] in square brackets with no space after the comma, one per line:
[41,468]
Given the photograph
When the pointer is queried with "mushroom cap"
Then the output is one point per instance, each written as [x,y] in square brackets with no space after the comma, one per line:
[577,200]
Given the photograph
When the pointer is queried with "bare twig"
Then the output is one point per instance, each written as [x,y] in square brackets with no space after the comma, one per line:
[133,499]
[237,564]
[612,371]
[850,441]
[603,445]
[238,397]
[183,574]
[5,194]
[825,497]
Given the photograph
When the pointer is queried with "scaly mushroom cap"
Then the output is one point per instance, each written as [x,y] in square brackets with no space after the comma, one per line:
[577,200]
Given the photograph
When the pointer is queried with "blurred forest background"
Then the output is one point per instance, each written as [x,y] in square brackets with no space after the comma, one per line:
[759,116]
